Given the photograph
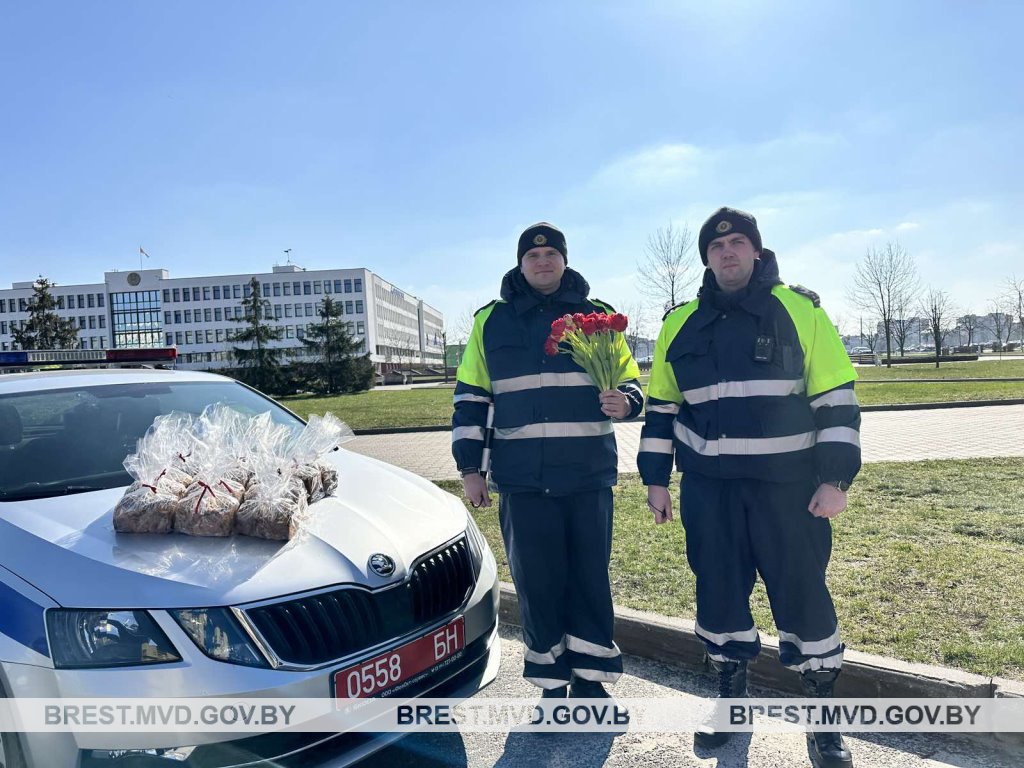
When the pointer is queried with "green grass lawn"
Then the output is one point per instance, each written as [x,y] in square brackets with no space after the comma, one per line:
[982,369]
[431,407]
[944,392]
[380,408]
[927,565]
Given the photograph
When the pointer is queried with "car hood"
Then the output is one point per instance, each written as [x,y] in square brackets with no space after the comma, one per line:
[67,546]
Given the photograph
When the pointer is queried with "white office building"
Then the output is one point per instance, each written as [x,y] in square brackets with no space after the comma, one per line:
[199,315]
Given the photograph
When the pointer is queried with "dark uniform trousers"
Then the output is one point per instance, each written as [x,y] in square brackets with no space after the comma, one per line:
[559,548]
[736,528]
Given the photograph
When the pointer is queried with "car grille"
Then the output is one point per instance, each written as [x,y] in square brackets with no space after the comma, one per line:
[330,625]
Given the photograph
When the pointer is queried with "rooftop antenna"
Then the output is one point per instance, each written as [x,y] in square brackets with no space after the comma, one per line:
[288,253]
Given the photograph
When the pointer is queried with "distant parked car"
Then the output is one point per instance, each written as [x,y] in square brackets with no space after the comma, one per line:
[860,351]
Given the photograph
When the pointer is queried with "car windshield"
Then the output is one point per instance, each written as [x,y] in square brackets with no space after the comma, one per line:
[63,441]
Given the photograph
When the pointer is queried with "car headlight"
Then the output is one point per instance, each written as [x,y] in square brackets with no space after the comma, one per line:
[219,635]
[477,544]
[96,638]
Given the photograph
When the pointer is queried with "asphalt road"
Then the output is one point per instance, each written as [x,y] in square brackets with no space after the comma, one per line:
[643,679]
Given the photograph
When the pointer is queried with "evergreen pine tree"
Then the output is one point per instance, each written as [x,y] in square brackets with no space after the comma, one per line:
[336,369]
[45,329]
[260,361]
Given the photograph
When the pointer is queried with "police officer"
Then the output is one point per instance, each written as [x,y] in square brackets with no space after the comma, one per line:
[752,392]
[553,463]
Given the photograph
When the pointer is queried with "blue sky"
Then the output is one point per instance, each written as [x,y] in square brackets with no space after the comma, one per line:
[419,139]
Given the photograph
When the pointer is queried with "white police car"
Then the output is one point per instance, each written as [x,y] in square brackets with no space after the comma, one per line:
[88,612]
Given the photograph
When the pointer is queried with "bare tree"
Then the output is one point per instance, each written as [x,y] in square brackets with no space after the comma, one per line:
[871,337]
[936,310]
[637,328]
[999,321]
[903,321]
[669,266]
[885,281]
[1015,298]
[969,324]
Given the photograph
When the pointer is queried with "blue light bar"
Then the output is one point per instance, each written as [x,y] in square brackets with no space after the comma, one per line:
[58,357]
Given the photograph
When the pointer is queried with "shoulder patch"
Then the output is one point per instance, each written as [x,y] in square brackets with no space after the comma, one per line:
[807,293]
[485,306]
[608,307]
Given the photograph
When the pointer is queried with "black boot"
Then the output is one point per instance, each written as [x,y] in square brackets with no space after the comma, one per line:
[827,749]
[591,689]
[732,684]
[560,692]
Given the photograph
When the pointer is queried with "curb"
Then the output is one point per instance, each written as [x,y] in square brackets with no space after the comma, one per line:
[865,675]
[863,408]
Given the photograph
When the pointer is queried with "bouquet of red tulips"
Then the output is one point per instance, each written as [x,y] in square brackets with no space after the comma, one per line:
[592,341]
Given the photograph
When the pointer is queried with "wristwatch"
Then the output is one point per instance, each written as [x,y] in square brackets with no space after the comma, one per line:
[469,471]
[839,485]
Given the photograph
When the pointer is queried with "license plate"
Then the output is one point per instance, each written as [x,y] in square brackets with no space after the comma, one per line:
[376,675]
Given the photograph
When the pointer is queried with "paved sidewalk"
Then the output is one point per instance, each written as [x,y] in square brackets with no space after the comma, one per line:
[953,433]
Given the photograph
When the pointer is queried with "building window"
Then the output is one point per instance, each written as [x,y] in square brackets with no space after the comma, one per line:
[220,334]
[348,286]
[167,295]
[309,310]
[209,336]
[168,339]
[327,286]
[287,310]
[216,292]
[317,287]
[206,293]
[287,289]
[296,289]
[177,295]
[167,318]
[135,317]
[103,321]
[188,337]
[277,289]
[359,285]
[289,332]
[179,338]
[360,327]
[236,291]
[177,317]
[218,314]
[238,313]
[359,306]
[337,286]
[92,322]
[208,315]
[92,300]
[99,299]
[348,308]
[188,315]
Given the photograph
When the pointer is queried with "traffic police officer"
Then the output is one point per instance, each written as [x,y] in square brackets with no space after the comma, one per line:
[553,462]
[752,391]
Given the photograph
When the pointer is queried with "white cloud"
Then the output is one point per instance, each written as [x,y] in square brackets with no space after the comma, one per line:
[654,166]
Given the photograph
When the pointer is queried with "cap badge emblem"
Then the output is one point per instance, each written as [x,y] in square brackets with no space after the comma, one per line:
[723,226]
[540,240]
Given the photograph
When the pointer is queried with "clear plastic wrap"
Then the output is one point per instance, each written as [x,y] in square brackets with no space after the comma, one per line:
[149,503]
[145,511]
[209,505]
[321,435]
[226,472]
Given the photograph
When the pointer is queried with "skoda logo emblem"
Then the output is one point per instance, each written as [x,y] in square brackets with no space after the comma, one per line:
[382,565]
